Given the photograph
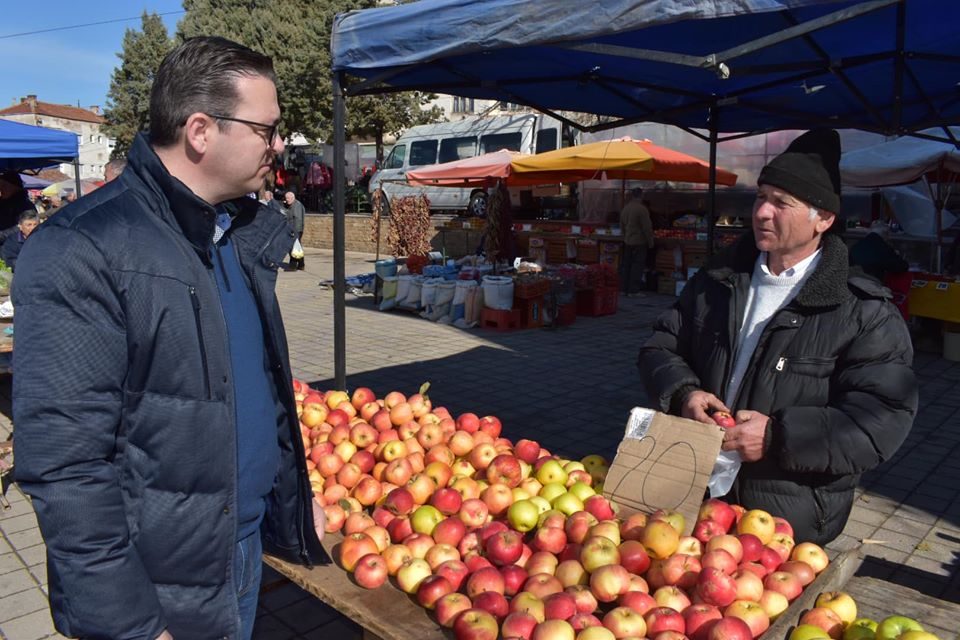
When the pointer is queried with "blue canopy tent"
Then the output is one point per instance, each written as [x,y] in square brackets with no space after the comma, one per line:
[732,67]
[23,146]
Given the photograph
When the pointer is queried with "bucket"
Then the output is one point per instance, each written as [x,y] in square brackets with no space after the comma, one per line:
[951,346]
[498,292]
[386,268]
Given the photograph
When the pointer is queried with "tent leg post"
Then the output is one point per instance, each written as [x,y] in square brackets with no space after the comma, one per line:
[76,175]
[339,235]
[712,189]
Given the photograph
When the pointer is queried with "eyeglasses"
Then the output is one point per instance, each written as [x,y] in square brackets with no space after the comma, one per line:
[272,129]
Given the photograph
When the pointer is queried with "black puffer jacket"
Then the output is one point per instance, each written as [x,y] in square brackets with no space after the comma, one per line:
[124,407]
[832,369]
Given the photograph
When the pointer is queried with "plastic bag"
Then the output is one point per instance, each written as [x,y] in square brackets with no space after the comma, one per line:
[388,293]
[724,473]
[297,251]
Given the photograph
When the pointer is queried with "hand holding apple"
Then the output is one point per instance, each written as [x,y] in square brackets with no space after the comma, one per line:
[747,436]
[697,405]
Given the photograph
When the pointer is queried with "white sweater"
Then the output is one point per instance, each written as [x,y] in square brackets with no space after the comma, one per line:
[768,294]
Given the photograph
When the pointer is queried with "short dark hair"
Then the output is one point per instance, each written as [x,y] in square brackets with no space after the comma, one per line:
[27,214]
[200,76]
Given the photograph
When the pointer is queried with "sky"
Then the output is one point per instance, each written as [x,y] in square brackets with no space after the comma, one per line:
[69,65]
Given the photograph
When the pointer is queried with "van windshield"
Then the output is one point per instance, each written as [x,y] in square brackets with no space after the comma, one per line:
[423,152]
[397,155]
[546,140]
[497,141]
[452,149]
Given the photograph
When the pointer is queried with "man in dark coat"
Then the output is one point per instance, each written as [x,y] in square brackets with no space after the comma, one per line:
[10,250]
[295,213]
[813,360]
[156,425]
[13,201]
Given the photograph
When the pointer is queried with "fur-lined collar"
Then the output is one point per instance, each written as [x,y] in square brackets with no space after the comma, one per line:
[826,286]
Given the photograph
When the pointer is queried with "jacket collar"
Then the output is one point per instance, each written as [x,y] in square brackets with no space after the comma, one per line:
[195,217]
[826,286]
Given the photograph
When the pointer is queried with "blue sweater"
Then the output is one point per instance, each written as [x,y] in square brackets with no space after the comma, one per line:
[258,454]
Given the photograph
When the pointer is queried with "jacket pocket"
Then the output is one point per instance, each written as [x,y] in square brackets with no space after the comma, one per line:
[820,513]
[195,304]
[813,367]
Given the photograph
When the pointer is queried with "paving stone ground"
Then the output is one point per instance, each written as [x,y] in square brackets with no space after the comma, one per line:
[571,388]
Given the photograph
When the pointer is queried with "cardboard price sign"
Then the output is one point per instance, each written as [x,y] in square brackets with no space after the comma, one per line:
[663,462]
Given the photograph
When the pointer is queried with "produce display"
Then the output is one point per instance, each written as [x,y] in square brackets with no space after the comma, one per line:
[502,539]
[834,617]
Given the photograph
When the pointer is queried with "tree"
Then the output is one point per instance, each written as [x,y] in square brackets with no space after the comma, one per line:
[296,34]
[128,101]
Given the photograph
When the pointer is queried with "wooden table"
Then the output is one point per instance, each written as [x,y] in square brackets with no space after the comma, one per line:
[877,599]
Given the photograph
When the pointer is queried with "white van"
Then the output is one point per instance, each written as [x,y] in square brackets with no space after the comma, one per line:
[448,141]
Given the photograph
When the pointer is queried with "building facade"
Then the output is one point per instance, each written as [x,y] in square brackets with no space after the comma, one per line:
[95,146]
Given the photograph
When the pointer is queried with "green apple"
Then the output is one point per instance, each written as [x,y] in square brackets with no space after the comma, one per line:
[520,494]
[917,635]
[425,518]
[891,627]
[542,504]
[574,465]
[582,490]
[552,471]
[567,503]
[808,632]
[552,490]
[860,629]
[523,515]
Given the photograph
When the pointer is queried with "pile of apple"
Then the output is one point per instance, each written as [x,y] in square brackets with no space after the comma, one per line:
[834,617]
[503,539]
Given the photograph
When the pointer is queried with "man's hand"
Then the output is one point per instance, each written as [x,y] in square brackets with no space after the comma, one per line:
[747,437]
[165,635]
[319,519]
[699,404]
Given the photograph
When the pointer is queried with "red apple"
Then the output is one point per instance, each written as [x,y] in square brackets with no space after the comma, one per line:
[634,557]
[399,502]
[468,422]
[609,581]
[486,579]
[411,574]
[599,507]
[559,606]
[719,559]
[431,589]
[473,512]
[475,624]
[698,618]
[707,529]
[681,570]
[354,547]
[729,543]
[716,588]
[660,619]
[552,539]
[826,619]
[638,601]
[749,585]
[751,613]
[447,500]
[513,578]
[718,511]
[729,629]
[449,531]
[527,450]
[580,621]
[812,554]
[370,571]
[504,469]
[672,597]
[785,583]
[624,622]
[598,551]
[553,630]
[542,585]
[801,569]
[583,596]
[526,602]
[571,572]
[493,603]
[455,571]
[518,625]
[491,426]
[475,562]
[752,547]
[504,548]
[578,525]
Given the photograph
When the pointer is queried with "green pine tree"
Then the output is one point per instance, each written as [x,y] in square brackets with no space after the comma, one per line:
[128,101]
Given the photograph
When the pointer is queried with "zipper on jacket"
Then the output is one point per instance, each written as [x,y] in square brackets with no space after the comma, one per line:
[781,363]
[195,303]
[819,511]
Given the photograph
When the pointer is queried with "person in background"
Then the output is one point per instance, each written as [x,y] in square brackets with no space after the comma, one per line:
[29,220]
[295,213]
[813,360]
[68,197]
[13,201]
[113,169]
[875,256]
[270,200]
[637,240]
[157,430]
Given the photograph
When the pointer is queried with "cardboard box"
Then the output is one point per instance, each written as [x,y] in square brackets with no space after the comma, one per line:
[663,462]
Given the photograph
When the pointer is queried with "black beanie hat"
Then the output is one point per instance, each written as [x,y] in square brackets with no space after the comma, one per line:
[809,169]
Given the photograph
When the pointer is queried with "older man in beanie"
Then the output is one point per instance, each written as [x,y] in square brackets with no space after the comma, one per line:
[811,358]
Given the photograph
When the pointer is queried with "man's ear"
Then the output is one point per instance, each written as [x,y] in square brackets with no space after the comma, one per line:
[197,131]
[825,220]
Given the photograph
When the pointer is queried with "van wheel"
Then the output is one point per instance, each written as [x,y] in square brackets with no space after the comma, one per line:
[478,204]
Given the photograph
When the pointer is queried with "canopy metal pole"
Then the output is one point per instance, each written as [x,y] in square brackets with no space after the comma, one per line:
[339,234]
[76,175]
[712,192]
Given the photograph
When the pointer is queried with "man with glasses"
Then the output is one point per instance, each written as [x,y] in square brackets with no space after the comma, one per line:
[156,425]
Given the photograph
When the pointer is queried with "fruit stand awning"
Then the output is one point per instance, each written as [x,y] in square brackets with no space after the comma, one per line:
[23,146]
[888,66]
[624,159]
[901,161]
[479,171]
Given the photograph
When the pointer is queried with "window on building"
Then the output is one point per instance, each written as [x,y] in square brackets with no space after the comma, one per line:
[423,152]
[457,148]
[91,138]
[463,105]
[79,138]
[497,141]
[99,139]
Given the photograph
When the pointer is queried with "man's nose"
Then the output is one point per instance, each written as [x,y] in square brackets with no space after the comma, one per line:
[764,210]
[278,145]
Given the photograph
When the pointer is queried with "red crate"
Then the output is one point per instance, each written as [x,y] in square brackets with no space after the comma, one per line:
[566,314]
[524,288]
[500,320]
[601,301]
[531,312]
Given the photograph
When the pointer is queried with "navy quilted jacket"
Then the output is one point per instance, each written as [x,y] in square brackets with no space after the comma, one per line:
[123,406]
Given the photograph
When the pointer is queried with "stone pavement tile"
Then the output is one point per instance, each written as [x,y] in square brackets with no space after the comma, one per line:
[269,627]
[844,542]
[10,562]
[897,539]
[931,566]
[39,573]
[33,556]
[25,539]
[32,626]
[909,526]
[18,506]
[307,614]
[859,530]
[936,548]
[22,603]
[881,504]
[885,552]
[340,628]
[15,582]
[911,514]
[865,515]
[274,599]
[13,524]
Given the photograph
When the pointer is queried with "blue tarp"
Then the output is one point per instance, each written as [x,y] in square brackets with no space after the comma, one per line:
[23,146]
[619,58]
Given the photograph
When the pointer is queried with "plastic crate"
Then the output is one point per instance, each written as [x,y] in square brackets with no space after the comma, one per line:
[500,320]
[531,312]
[566,314]
[597,302]
[524,288]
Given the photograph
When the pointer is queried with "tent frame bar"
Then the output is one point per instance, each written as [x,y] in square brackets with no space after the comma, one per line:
[339,236]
